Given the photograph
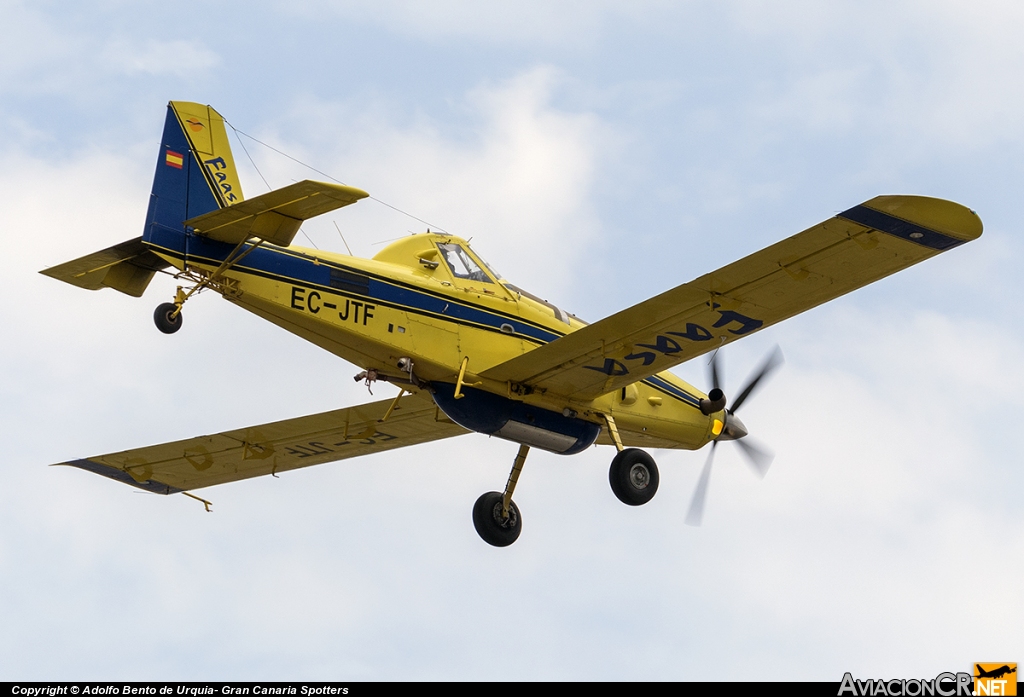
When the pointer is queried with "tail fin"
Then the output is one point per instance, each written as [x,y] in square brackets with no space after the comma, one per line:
[196,184]
[195,173]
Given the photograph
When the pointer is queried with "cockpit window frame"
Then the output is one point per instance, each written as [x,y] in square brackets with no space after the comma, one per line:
[481,274]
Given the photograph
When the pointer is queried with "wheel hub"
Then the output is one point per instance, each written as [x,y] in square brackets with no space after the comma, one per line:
[509,522]
[639,476]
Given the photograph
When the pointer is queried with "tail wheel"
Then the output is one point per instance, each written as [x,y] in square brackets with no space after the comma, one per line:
[165,318]
[494,528]
[634,477]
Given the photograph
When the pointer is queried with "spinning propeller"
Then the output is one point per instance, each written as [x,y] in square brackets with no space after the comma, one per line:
[734,429]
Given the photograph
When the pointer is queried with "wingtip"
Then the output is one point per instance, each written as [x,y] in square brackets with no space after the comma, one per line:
[941,215]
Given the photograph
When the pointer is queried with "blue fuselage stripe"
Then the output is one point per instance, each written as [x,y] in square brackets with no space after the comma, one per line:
[296,268]
[292,267]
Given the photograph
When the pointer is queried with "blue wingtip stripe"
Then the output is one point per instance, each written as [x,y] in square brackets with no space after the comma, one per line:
[120,475]
[897,227]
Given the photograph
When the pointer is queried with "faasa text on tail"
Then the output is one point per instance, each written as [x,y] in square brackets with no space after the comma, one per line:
[197,206]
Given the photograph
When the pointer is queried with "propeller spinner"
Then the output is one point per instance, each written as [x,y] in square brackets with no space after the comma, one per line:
[735,430]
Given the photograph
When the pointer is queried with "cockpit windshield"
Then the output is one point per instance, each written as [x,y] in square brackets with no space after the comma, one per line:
[461,264]
[490,269]
[465,267]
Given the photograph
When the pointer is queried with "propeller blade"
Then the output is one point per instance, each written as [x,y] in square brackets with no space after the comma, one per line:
[700,494]
[714,372]
[773,361]
[759,458]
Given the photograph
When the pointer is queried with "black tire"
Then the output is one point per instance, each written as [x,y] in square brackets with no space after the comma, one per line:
[489,524]
[163,319]
[634,477]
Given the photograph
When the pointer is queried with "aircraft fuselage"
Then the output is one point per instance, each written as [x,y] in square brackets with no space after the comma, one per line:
[408,301]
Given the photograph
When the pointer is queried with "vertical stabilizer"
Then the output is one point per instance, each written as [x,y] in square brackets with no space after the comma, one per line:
[195,173]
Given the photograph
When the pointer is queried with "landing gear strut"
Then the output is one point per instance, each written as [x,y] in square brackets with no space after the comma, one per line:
[633,474]
[168,315]
[495,516]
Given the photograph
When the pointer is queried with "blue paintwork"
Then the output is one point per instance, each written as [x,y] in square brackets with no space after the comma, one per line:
[121,476]
[485,412]
[298,269]
[181,194]
[178,194]
[900,228]
[672,390]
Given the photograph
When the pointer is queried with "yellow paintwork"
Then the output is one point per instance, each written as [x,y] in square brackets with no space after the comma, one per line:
[438,346]
[275,216]
[283,445]
[801,272]
[789,277]
[832,257]
[611,373]
[127,267]
[204,129]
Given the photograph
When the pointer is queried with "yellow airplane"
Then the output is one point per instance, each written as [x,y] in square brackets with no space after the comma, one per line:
[468,350]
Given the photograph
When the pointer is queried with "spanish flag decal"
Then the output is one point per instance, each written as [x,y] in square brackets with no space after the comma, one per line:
[174,159]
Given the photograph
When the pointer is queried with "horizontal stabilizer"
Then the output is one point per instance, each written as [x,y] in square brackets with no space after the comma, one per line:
[275,447]
[275,216]
[127,267]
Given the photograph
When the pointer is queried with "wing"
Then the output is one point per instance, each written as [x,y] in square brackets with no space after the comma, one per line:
[127,267]
[275,447]
[275,216]
[857,247]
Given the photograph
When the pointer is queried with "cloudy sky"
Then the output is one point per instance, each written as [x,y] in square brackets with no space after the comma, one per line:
[597,153]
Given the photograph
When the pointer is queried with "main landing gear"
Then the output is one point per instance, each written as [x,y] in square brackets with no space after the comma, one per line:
[633,474]
[495,516]
[634,477]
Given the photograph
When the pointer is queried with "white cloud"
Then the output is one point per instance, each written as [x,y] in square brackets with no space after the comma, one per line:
[46,56]
[518,183]
[872,515]
[34,49]
[930,71]
[868,547]
[151,57]
[573,22]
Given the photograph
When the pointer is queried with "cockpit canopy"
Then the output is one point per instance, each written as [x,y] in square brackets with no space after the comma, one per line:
[429,251]
[462,264]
